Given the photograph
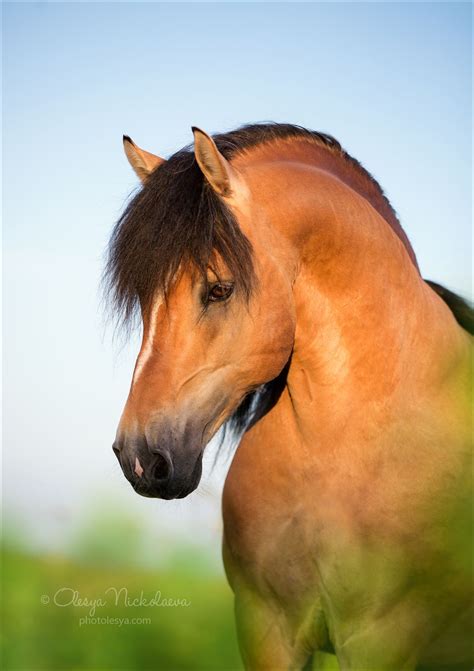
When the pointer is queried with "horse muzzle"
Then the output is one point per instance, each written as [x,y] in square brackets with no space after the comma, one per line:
[164,470]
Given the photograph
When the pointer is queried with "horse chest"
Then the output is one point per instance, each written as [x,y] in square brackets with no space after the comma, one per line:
[327,551]
[269,541]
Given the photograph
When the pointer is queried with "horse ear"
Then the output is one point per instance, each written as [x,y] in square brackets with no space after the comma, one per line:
[215,168]
[141,161]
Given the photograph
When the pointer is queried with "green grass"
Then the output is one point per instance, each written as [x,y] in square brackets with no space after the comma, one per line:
[44,636]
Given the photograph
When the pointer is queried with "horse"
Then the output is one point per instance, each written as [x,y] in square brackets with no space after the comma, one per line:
[280,298]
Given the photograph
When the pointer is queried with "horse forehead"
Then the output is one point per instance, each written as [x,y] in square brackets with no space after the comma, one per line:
[150,323]
[157,304]
[172,308]
[149,332]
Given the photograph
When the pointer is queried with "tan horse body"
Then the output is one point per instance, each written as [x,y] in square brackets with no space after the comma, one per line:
[347,506]
[340,503]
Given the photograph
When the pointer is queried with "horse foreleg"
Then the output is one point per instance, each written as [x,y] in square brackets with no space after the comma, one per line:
[265,638]
[374,650]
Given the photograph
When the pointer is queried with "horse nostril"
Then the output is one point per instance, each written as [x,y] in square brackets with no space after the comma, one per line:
[116,451]
[161,469]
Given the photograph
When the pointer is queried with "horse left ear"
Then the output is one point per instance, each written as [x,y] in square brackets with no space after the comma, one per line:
[215,168]
[143,162]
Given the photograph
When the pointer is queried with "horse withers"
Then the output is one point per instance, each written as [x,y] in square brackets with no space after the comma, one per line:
[280,296]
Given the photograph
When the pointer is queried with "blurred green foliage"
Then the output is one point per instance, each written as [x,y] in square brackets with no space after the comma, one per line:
[113,539]
[37,635]
[110,549]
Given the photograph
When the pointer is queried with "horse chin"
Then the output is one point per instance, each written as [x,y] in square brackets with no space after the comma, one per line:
[194,480]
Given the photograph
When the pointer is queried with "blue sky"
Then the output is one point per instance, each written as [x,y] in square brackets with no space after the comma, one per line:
[391,81]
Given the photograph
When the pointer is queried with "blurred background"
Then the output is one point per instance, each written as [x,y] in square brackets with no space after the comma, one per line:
[391,81]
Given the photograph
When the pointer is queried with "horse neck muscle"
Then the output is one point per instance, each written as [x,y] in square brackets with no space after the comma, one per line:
[370,334]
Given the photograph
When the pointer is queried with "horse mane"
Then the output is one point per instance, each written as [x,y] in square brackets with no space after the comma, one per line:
[461,309]
[175,221]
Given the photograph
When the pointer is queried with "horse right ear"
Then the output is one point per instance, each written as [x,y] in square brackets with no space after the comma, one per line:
[141,161]
[213,165]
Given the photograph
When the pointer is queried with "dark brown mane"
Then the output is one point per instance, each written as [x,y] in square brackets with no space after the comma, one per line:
[176,219]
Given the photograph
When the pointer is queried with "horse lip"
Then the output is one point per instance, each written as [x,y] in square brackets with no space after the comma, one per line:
[152,494]
[186,491]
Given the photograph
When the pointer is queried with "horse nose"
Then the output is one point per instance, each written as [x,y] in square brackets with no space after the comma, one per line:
[161,466]
[116,450]
[149,471]
[153,474]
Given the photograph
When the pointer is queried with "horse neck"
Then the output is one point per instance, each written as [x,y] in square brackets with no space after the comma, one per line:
[369,332]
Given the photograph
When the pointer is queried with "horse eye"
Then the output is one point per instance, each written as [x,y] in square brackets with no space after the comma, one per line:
[219,292]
